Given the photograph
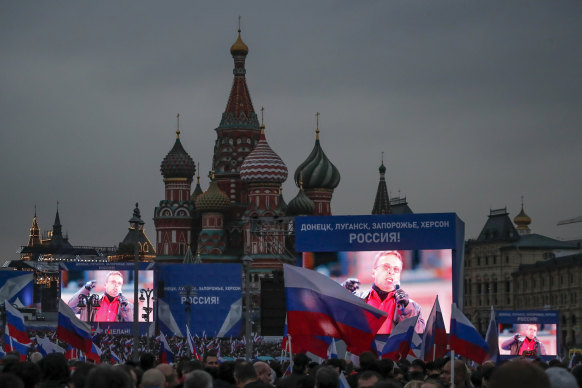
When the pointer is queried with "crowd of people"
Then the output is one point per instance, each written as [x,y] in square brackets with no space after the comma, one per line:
[54,370]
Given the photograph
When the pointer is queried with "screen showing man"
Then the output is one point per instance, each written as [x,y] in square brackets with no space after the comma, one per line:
[525,343]
[386,293]
[112,306]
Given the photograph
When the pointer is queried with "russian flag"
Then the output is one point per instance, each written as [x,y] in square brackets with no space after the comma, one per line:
[193,349]
[166,354]
[75,332]
[318,306]
[15,327]
[434,339]
[465,340]
[114,357]
[11,344]
[399,342]
[332,350]
[492,337]
[46,346]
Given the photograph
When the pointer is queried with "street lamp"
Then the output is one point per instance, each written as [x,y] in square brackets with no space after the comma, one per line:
[247,261]
[148,297]
[91,303]
[136,224]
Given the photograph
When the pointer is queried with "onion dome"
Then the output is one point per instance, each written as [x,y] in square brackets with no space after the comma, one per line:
[522,221]
[318,171]
[300,205]
[239,47]
[263,165]
[177,163]
[213,199]
[282,205]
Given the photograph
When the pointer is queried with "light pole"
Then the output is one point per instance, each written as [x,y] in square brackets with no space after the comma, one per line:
[90,302]
[136,224]
[247,261]
[148,297]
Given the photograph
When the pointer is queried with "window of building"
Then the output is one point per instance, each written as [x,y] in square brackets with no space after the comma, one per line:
[494,259]
[478,260]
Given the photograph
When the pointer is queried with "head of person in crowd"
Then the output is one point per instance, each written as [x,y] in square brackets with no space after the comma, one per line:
[10,380]
[131,370]
[263,371]
[486,372]
[80,375]
[327,377]
[413,384]
[198,379]
[27,371]
[152,378]
[300,363]
[385,367]
[244,373]
[107,376]
[306,381]
[432,383]
[367,360]
[226,372]
[368,378]
[433,371]
[170,375]
[36,357]
[577,373]
[210,361]
[186,366]
[561,378]
[417,365]
[147,361]
[462,378]
[519,373]
[55,368]
[336,363]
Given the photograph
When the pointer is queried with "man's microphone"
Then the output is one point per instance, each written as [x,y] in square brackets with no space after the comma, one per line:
[122,299]
[400,296]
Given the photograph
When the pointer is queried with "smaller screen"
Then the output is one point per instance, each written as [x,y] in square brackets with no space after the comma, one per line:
[106,295]
[528,339]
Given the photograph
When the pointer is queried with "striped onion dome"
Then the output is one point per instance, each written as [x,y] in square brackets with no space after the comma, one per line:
[263,165]
[213,199]
[318,171]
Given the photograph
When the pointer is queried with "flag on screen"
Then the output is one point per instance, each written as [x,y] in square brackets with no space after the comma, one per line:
[400,340]
[492,337]
[76,332]
[318,306]
[434,339]
[465,340]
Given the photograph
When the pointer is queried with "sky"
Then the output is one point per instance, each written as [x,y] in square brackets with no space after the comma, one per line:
[473,105]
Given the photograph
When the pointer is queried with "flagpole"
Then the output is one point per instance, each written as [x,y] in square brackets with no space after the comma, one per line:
[452,368]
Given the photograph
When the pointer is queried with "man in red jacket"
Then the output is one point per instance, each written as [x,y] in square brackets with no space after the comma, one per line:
[113,306]
[386,293]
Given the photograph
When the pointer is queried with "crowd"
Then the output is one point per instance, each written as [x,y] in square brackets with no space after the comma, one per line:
[54,370]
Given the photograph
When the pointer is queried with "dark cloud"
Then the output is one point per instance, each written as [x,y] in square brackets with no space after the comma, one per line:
[473,104]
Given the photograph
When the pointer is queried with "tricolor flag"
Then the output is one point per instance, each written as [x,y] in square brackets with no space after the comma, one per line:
[318,306]
[332,350]
[114,358]
[15,332]
[166,354]
[434,339]
[492,337]
[76,332]
[46,346]
[465,340]
[192,345]
[399,342]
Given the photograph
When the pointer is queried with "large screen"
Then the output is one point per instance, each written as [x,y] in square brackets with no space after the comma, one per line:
[425,274]
[529,333]
[107,295]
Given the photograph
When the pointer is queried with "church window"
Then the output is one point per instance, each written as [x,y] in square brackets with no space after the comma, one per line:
[173,236]
[248,141]
[238,141]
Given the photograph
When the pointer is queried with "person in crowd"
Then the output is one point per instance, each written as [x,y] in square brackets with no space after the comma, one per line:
[462,378]
[561,378]
[525,344]
[106,376]
[198,379]
[519,373]
[368,378]
[386,293]
[152,378]
[113,306]
[300,363]
[170,375]
[263,371]
[245,376]
[210,361]
[327,377]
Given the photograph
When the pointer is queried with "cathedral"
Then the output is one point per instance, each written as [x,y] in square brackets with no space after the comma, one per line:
[242,212]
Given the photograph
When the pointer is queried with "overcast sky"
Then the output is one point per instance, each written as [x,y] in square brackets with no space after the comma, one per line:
[474,104]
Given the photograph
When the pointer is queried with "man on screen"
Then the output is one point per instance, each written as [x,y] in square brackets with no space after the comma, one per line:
[113,306]
[386,293]
[526,344]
